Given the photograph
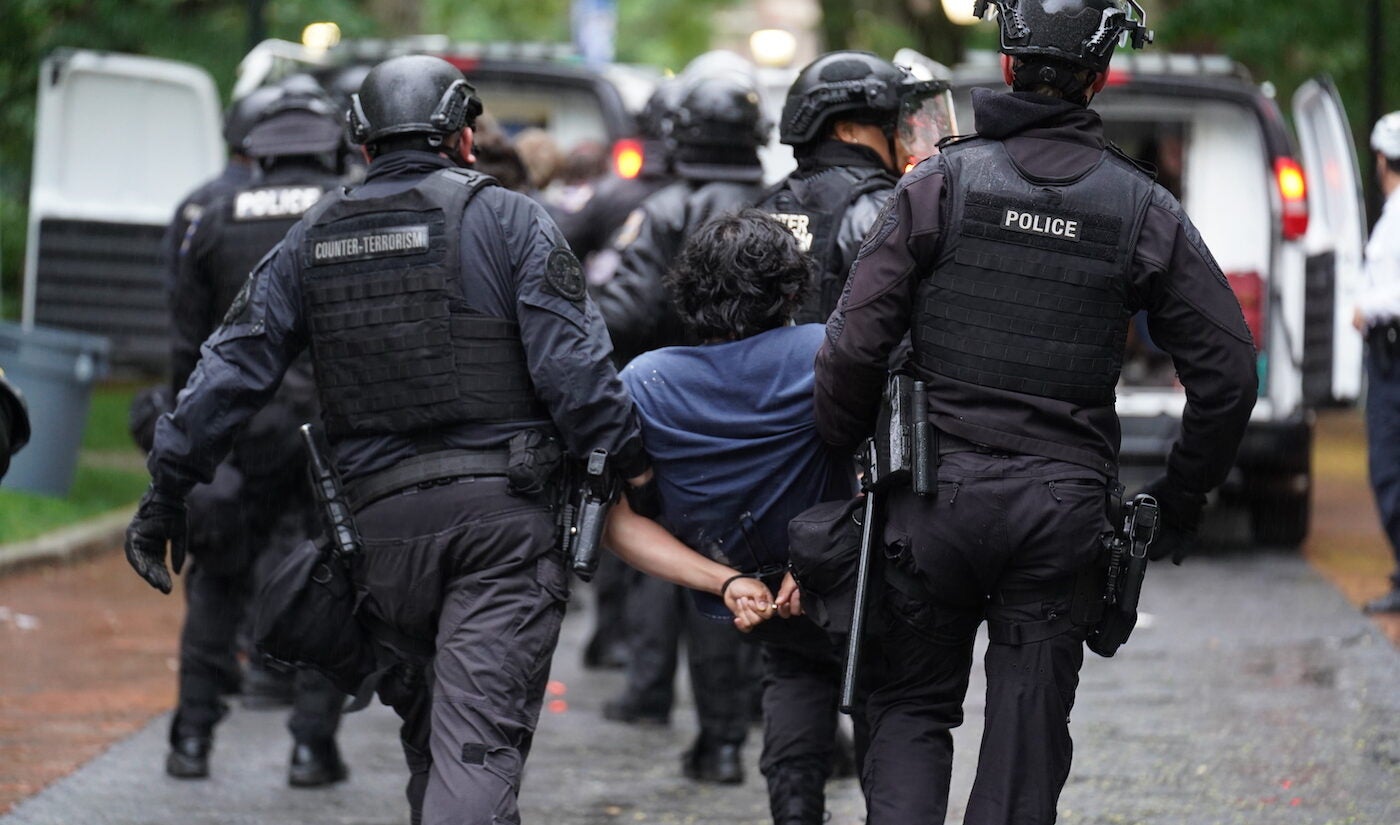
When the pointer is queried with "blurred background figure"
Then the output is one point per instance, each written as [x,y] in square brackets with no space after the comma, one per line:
[541,155]
[496,156]
[1378,318]
[574,186]
[258,505]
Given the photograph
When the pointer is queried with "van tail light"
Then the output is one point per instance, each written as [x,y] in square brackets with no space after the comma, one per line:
[1253,298]
[627,156]
[1118,77]
[1293,187]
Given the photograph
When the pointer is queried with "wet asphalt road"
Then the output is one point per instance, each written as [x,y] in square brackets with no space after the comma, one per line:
[1254,694]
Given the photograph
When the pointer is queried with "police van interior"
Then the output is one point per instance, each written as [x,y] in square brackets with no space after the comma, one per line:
[1284,218]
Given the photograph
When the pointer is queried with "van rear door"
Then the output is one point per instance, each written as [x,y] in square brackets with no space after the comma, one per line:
[119,140]
[1335,244]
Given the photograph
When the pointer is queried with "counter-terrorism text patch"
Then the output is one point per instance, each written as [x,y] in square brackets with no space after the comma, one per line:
[563,275]
[379,242]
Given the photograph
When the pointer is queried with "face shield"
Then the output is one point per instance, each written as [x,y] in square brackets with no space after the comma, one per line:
[926,117]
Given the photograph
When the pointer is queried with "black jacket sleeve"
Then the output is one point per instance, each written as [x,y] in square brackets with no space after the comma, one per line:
[566,343]
[240,367]
[873,314]
[1194,316]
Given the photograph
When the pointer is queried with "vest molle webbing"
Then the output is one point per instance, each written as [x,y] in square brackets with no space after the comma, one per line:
[395,348]
[1030,291]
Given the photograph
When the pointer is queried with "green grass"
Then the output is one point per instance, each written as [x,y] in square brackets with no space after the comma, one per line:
[109,475]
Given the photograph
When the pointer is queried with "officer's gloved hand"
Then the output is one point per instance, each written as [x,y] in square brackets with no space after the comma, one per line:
[1180,520]
[159,518]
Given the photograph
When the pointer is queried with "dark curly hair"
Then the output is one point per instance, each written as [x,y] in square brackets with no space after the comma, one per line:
[739,275]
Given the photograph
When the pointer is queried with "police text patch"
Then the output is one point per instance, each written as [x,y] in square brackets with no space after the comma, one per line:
[1037,224]
[799,225]
[275,202]
[372,243]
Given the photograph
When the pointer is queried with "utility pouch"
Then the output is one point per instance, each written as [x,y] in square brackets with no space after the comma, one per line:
[824,546]
[306,617]
[534,461]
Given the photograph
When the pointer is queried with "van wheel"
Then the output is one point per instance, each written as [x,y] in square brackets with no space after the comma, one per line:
[1281,521]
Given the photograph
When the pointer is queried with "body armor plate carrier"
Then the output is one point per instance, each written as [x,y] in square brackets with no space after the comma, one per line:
[1030,291]
[395,347]
[812,208]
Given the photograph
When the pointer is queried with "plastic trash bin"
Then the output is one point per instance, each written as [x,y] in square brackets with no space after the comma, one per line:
[54,369]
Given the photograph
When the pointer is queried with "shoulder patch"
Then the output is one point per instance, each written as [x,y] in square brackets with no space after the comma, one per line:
[563,275]
[239,307]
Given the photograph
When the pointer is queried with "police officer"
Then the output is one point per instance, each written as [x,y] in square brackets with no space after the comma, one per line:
[849,117]
[257,506]
[1378,318]
[1015,259]
[716,130]
[239,170]
[452,337]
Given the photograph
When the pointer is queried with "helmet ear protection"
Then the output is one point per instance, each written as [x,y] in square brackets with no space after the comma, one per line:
[458,108]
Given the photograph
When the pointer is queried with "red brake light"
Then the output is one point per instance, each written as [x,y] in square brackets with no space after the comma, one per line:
[1293,188]
[627,158]
[1118,77]
[464,64]
[1249,291]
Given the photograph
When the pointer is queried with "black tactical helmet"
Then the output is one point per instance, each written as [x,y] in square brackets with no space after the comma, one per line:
[720,110]
[414,94]
[859,85]
[244,112]
[300,120]
[1081,33]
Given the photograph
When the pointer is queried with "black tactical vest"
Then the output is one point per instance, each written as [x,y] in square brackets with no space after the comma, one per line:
[254,220]
[396,349]
[812,208]
[1029,294]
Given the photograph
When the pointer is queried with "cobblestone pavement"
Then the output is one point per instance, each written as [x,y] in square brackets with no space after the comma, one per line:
[1254,692]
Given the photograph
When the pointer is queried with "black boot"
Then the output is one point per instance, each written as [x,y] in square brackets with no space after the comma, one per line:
[710,761]
[188,757]
[316,763]
[797,793]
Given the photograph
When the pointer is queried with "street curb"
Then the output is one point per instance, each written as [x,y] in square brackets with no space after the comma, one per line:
[68,544]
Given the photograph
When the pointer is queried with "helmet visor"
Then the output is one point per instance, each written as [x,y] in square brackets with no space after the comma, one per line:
[925,117]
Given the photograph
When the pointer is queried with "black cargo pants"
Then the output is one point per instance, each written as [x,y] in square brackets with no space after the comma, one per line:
[240,532]
[472,569]
[998,526]
[802,669]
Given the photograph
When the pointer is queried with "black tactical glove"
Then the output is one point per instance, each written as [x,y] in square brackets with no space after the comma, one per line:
[159,518]
[1180,520]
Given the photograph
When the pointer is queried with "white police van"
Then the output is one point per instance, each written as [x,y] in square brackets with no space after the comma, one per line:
[1287,223]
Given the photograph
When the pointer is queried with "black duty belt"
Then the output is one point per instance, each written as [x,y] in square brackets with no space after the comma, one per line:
[425,471]
[949,444]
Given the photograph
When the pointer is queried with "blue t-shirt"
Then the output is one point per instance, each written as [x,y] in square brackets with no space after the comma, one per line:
[731,432]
